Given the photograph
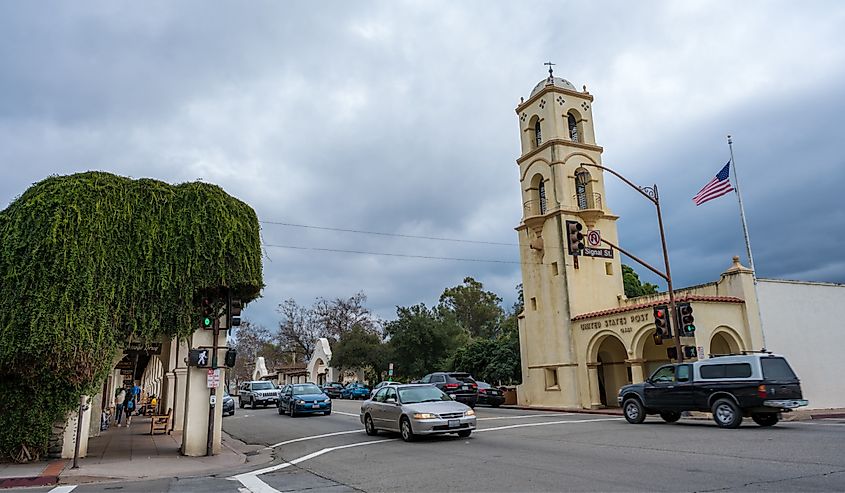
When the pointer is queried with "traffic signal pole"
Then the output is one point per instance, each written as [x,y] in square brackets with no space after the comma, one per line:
[653,196]
[209,443]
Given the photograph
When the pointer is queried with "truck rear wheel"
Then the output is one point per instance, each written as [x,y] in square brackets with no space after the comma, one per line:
[634,411]
[726,414]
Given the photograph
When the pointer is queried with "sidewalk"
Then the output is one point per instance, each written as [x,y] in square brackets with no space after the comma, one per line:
[131,454]
[798,415]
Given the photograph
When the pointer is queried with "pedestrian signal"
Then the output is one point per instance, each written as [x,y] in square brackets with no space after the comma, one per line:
[690,352]
[198,357]
[231,354]
[672,352]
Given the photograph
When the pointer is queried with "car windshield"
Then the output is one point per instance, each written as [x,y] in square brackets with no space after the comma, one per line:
[308,388]
[461,377]
[263,386]
[411,395]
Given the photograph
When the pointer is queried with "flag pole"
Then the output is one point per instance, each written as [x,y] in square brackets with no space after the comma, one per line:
[742,213]
[747,239]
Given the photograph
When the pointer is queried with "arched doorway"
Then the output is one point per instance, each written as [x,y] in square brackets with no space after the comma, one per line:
[654,356]
[613,371]
[724,343]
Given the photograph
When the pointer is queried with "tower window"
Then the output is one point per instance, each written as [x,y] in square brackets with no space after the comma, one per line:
[542,193]
[583,189]
[538,135]
[574,135]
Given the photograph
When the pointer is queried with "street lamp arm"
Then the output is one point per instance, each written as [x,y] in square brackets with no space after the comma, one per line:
[649,192]
[636,259]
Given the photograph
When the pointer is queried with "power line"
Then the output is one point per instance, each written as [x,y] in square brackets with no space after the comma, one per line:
[385,254]
[325,228]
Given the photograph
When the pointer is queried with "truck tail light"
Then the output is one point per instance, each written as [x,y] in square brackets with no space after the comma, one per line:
[761,392]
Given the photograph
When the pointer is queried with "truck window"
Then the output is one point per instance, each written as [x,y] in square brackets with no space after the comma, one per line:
[682,373]
[732,370]
[665,374]
[777,369]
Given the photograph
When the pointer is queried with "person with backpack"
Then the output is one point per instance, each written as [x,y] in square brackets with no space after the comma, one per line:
[129,408]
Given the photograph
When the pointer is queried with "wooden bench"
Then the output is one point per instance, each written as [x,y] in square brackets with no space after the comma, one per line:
[161,423]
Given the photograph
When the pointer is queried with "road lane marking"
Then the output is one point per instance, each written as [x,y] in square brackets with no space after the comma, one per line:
[312,437]
[255,485]
[63,489]
[546,423]
[251,481]
[547,415]
[346,414]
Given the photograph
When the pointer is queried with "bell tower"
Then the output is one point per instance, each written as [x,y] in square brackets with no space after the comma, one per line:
[558,185]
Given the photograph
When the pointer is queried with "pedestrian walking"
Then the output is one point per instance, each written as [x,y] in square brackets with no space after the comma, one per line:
[129,407]
[119,400]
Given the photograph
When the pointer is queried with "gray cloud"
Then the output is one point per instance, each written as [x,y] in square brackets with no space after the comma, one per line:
[398,117]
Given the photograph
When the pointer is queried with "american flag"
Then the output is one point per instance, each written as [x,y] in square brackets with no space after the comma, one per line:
[716,188]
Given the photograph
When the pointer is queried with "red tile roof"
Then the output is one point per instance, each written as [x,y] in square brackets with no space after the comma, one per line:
[622,309]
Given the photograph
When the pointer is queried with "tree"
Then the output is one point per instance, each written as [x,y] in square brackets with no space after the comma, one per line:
[633,286]
[337,316]
[360,347]
[251,341]
[421,341]
[476,310]
[298,329]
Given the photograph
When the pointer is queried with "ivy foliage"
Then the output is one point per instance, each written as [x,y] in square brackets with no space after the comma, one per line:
[92,260]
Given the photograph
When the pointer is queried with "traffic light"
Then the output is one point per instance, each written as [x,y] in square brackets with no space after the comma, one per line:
[575,239]
[207,321]
[198,357]
[672,352]
[235,307]
[685,319]
[662,324]
[231,354]
[690,352]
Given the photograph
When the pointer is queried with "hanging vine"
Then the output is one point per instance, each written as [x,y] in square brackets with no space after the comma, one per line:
[90,260]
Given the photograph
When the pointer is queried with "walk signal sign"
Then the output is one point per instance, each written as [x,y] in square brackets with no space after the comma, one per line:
[198,357]
[690,352]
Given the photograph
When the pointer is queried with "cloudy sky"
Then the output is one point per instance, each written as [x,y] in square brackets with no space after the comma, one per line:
[398,117]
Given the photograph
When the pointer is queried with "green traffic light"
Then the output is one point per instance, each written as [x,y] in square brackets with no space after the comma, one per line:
[206,322]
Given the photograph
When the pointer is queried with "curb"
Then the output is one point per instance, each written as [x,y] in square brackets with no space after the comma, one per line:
[48,476]
[611,411]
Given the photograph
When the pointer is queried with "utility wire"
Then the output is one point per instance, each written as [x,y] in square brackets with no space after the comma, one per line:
[430,257]
[458,240]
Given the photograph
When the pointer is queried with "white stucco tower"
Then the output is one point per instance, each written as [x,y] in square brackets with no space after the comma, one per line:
[558,141]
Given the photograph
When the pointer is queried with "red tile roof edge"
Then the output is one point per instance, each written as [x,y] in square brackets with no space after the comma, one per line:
[622,309]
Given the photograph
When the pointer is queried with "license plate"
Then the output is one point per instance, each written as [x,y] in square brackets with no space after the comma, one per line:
[315,406]
[466,387]
[454,423]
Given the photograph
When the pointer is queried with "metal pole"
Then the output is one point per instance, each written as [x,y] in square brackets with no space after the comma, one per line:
[747,239]
[673,316]
[209,441]
[78,432]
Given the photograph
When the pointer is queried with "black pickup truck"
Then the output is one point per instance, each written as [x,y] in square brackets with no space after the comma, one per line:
[759,385]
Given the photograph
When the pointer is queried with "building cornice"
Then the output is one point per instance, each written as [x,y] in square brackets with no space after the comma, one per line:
[623,309]
[565,142]
[552,88]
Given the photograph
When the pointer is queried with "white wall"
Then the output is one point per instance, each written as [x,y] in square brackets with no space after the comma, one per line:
[799,321]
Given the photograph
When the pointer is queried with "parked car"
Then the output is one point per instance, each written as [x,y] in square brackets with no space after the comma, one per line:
[460,386]
[257,393]
[487,394]
[760,385]
[332,389]
[380,385]
[355,390]
[303,398]
[415,410]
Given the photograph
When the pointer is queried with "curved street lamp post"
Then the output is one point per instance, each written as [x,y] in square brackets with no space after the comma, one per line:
[653,196]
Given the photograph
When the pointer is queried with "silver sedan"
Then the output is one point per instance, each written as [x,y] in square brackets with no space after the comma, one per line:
[416,410]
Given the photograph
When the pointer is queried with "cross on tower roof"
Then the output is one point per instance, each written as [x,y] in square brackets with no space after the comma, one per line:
[551,75]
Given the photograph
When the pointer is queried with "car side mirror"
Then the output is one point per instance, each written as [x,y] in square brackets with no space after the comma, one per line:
[390,400]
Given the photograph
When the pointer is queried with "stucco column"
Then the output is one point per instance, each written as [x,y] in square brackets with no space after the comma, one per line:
[593,377]
[197,402]
[180,377]
[637,374]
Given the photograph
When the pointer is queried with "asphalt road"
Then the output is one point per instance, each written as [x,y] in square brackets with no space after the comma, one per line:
[518,450]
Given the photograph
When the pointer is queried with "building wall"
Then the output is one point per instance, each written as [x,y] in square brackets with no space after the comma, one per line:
[799,322]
